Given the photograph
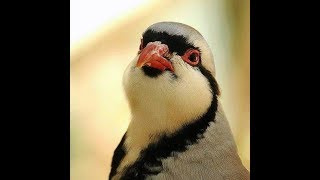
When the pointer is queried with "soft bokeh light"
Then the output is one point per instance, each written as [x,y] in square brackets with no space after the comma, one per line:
[104,38]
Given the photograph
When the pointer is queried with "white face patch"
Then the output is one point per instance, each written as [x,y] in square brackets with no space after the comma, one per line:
[163,104]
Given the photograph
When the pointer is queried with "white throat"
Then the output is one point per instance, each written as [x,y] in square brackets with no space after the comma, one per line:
[165,103]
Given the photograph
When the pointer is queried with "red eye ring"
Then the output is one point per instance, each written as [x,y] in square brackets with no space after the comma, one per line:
[191,56]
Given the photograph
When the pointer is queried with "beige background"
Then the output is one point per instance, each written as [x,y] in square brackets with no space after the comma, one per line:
[105,38]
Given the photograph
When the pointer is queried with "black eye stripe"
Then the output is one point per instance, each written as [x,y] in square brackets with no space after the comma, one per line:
[176,43]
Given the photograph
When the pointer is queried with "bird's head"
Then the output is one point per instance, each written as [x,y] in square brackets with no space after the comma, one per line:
[171,80]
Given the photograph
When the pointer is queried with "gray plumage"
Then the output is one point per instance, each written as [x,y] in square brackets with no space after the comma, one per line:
[213,157]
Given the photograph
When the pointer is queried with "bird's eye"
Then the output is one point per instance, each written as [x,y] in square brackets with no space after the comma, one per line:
[191,56]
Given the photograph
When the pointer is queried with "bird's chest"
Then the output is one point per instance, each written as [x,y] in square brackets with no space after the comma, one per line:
[189,164]
[193,163]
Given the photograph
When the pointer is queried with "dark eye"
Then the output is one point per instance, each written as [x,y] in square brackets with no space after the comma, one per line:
[191,56]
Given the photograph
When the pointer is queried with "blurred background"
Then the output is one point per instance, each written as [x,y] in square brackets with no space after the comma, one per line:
[105,37]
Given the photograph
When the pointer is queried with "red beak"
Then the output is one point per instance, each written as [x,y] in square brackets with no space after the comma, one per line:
[153,55]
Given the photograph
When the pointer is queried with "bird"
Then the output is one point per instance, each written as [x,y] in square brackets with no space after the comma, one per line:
[178,129]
